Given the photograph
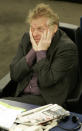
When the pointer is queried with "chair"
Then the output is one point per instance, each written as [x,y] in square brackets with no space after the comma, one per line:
[74,32]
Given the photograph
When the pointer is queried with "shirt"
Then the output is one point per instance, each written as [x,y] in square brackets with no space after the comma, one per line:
[32,87]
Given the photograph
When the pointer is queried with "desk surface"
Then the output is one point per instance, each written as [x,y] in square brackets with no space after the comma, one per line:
[69,124]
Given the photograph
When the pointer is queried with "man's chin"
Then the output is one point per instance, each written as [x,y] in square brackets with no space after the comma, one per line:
[37,41]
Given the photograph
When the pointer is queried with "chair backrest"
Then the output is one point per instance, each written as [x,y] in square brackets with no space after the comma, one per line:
[74,32]
[70,30]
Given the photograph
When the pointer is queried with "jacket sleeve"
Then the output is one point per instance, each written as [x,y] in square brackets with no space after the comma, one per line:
[19,67]
[63,61]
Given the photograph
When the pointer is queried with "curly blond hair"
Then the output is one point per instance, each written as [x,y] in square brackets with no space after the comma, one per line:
[43,10]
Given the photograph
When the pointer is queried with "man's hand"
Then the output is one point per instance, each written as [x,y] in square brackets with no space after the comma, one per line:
[45,41]
[34,45]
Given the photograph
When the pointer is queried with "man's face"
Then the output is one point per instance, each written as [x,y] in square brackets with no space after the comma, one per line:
[38,26]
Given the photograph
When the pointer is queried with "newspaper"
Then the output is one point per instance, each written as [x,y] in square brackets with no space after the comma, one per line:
[42,115]
[8,114]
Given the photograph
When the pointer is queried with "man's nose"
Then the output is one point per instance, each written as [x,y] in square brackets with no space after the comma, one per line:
[35,32]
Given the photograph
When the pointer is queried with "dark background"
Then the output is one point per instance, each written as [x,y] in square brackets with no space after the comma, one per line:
[13,14]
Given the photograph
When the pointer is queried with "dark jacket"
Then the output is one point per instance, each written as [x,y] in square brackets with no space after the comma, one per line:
[57,73]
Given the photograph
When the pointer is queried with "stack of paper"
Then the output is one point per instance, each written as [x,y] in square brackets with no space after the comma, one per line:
[8,115]
[42,115]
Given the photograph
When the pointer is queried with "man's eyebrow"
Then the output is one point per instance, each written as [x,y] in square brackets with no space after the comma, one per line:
[39,27]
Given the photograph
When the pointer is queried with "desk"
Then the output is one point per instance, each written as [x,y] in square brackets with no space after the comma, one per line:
[69,124]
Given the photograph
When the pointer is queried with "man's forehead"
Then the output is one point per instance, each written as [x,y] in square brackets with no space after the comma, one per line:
[36,25]
[39,22]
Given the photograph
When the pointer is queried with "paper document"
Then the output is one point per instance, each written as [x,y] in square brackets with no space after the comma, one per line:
[8,114]
[42,115]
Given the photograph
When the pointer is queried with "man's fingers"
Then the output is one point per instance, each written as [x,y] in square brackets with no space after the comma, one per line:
[45,34]
[34,45]
[31,34]
[49,35]
[31,37]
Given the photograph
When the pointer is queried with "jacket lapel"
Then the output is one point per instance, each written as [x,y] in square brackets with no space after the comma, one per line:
[54,42]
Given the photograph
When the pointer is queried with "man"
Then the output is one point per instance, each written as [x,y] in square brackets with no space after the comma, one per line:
[46,64]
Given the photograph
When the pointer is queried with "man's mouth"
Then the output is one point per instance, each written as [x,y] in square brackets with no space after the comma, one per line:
[36,40]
